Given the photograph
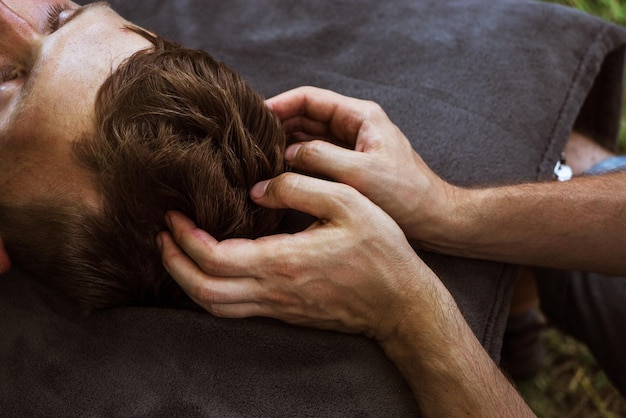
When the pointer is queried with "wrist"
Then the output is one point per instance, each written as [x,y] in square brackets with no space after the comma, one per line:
[451,227]
[423,324]
[432,344]
[448,370]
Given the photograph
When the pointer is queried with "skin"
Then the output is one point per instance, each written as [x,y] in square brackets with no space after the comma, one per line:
[51,76]
[582,153]
[524,224]
[543,230]
[353,270]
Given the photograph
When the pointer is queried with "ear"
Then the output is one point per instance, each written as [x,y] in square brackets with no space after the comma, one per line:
[5,261]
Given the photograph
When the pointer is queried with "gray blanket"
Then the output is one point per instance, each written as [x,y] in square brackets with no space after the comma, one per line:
[487,91]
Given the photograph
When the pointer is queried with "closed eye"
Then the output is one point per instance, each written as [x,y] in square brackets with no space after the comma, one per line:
[54,16]
[9,74]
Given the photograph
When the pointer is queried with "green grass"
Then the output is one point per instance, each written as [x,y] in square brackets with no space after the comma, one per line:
[571,384]
[611,10]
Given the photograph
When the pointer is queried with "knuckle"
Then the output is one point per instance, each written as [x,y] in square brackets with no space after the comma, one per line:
[284,186]
[171,259]
[367,164]
[204,294]
[372,109]
[307,89]
[345,196]
[310,152]
[184,238]
[207,297]
[361,180]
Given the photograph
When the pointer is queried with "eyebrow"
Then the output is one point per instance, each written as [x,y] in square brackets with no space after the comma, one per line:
[85,8]
[27,88]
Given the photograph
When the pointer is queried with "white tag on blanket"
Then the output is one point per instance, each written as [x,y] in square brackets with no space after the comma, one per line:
[562,171]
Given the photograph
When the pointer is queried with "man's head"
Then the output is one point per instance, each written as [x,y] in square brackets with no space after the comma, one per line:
[170,129]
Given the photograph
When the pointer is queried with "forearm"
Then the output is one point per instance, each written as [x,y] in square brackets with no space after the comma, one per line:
[447,368]
[353,271]
[579,224]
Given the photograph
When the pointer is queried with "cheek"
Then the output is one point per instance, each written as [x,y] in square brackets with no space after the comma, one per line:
[40,143]
[62,110]
[25,175]
[37,167]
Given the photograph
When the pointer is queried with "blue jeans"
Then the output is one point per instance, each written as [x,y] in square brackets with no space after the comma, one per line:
[610,165]
[591,307]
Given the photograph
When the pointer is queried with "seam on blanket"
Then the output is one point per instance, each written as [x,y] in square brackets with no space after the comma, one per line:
[571,95]
[494,345]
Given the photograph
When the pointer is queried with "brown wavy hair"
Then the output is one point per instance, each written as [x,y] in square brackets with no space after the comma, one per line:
[175,129]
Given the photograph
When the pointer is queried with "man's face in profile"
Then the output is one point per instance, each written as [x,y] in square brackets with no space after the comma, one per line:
[54,55]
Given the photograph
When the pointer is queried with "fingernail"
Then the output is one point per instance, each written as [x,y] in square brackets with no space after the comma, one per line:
[258,190]
[159,242]
[291,151]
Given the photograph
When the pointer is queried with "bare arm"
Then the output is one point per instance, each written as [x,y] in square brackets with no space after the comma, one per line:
[579,224]
[449,371]
[352,271]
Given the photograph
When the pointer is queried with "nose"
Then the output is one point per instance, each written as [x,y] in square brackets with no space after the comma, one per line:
[17,37]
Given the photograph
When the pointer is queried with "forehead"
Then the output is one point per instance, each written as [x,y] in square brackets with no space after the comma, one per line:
[71,68]
[56,104]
